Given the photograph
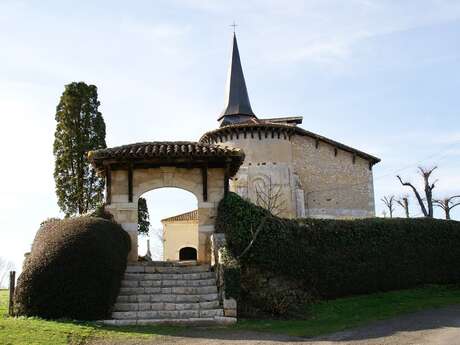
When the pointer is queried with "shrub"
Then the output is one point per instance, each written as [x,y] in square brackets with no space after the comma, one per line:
[332,258]
[74,269]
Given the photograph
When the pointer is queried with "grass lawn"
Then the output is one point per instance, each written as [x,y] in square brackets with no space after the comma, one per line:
[344,313]
[324,317]
[21,331]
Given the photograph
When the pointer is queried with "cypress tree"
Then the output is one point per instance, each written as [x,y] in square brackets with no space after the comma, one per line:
[143,224]
[80,128]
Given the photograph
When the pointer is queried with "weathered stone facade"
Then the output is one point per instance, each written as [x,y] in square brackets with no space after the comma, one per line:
[316,178]
[336,183]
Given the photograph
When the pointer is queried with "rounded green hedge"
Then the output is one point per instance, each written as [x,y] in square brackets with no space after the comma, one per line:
[333,258]
[74,269]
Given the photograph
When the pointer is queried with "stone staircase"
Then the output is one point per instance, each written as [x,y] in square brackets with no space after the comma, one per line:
[168,293]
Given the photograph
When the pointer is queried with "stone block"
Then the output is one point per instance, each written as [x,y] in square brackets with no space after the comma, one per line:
[124,314]
[153,290]
[144,306]
[126,307]
[211,313]
[209,305]
[230,312]
[143,298]
[148,314]
[229,303]
[189,313]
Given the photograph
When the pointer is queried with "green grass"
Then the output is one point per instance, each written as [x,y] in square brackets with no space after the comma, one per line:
[36,331]
[324,317]
[344,313]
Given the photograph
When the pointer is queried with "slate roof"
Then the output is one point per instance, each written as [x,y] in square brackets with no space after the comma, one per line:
[237,105]
[169,152]
[192,215]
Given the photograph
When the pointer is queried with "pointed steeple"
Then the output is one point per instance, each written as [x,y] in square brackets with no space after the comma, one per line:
[237,105]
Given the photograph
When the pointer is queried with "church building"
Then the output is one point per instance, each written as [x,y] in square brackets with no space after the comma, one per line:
[291,171]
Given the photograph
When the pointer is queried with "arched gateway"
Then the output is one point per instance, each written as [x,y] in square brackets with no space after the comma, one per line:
[131,170]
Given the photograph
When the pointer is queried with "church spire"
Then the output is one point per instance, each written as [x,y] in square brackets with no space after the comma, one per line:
[237,105]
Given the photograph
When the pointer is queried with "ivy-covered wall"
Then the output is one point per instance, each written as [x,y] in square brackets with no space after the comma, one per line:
[332,258]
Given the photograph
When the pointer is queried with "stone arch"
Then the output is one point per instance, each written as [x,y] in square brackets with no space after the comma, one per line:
[179,225]
[132,170]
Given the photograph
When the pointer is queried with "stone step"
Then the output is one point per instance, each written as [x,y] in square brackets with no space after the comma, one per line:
[166,263]
[136,306]
[215,321]
[166,314]
[166,269]
[177,290]
[169,276]
[168,283]
[174,298]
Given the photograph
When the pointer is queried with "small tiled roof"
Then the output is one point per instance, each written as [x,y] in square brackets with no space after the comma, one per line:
[169,152]
[261,124]
[192,215]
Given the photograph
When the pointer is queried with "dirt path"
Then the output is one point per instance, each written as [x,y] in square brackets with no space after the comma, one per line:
[433,327]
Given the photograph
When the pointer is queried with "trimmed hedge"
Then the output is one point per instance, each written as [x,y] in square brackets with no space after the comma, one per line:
[74,270]
[332,258]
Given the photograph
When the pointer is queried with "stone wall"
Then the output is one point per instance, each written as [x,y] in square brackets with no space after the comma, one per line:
[145,180]
[315,181]
[335,184]
[268,160]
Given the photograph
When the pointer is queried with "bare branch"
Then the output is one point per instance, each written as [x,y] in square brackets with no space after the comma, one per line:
[389,203]
[417,195]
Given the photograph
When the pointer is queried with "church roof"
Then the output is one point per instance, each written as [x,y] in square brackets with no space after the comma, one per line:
[191,215]
[237,105]
[169,153]
[287,129]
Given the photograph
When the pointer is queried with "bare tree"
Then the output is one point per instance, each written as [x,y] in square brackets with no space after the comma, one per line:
[270,197]
[404,203]
[5,267]
[389,203]
[384,214]
[427,209]
[447,204]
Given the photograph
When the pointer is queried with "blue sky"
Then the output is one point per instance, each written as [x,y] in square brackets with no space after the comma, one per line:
[381,76]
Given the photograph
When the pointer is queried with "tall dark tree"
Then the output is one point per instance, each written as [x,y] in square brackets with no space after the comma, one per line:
[80,128]
[143,223]
[427,209]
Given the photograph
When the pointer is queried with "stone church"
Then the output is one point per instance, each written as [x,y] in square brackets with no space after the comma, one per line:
[292,171]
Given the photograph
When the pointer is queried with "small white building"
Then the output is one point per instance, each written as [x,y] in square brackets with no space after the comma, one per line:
[180,237]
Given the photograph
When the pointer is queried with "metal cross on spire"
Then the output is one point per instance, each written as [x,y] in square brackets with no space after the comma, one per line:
[234,25]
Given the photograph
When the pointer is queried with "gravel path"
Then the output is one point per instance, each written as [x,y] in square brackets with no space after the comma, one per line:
[432,327]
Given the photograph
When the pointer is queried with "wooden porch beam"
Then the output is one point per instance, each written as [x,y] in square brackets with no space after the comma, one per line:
[108,185]
[130,182]
[204,174]
[226,179]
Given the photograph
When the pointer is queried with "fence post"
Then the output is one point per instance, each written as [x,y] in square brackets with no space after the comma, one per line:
[12,286]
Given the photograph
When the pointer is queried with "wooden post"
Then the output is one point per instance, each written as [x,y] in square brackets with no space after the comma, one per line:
[130,182]
[12,286]
[204,174]
[226,178]
[108,185]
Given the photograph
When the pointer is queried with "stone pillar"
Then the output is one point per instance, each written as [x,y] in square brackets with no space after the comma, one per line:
[217,244]
[125,214]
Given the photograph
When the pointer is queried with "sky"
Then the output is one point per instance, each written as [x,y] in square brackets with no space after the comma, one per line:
[380,76]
